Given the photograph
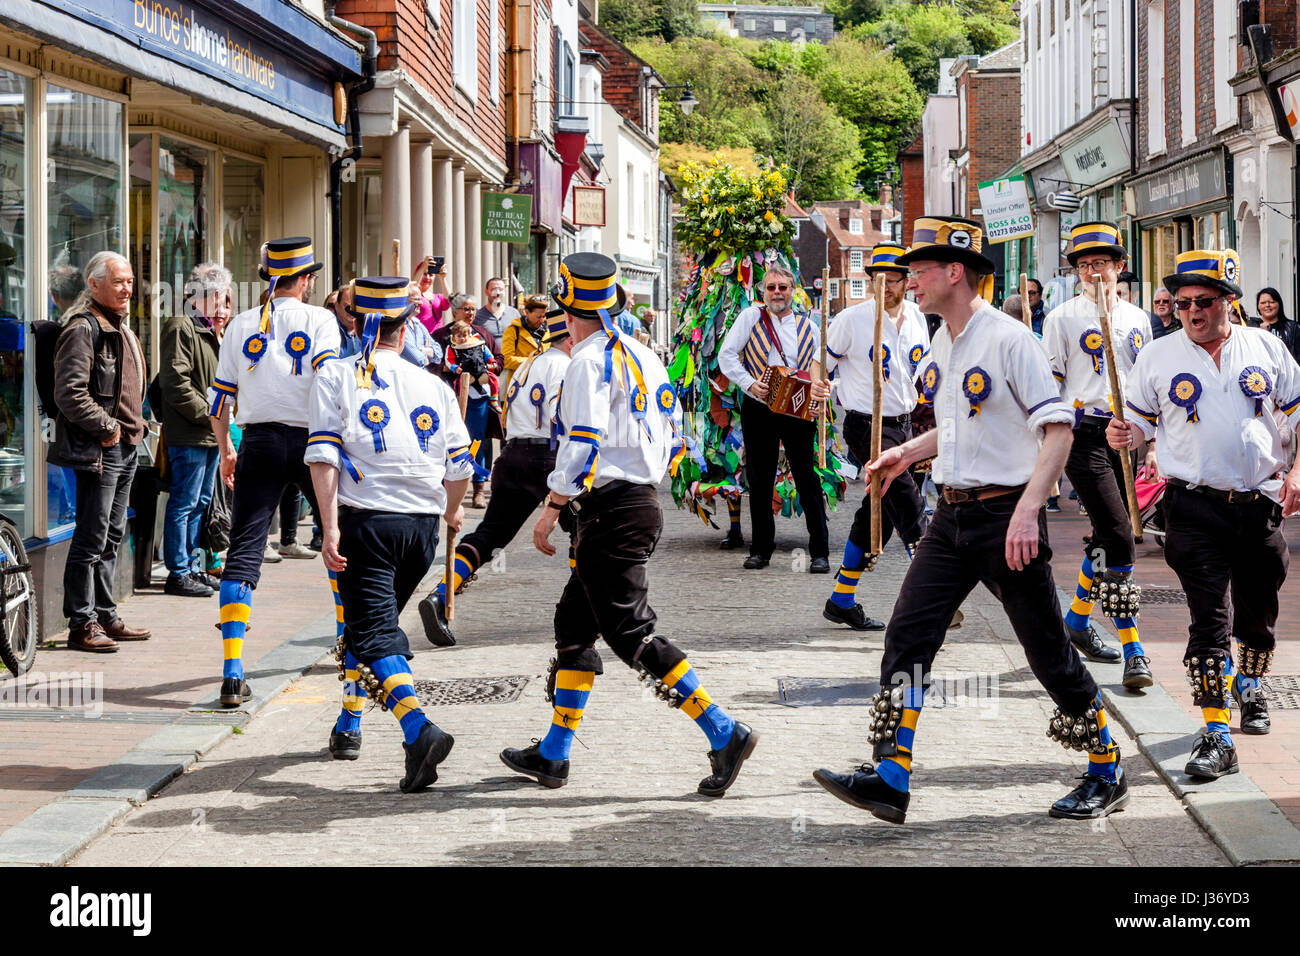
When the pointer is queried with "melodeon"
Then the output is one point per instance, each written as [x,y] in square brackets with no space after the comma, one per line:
[790,392]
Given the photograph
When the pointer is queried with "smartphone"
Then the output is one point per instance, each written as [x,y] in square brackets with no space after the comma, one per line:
[436,267]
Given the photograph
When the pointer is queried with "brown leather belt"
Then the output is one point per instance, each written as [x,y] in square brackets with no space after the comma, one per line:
[962,496]
[1231,497]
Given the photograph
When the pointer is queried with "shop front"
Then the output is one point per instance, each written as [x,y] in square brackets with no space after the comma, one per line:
[172,134]
[1187,205]
[1096,162]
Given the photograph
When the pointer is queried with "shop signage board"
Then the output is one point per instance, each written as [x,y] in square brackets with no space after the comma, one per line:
[506,217]
[1007,214]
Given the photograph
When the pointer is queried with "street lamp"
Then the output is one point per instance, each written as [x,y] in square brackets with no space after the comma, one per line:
[687,101]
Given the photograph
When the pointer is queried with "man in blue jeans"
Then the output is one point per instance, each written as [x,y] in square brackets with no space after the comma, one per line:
[189,363]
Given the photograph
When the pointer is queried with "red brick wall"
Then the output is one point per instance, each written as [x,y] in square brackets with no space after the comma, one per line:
[1284,17]
[992,127]
[621,85]
[409,41]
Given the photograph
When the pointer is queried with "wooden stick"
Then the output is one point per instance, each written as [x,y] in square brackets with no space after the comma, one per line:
[1117,406]
[877,409]
[826,404]
[462,397]
[1025,313]
[397,257]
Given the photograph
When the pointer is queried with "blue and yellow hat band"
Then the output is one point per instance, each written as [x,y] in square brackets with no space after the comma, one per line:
[384,301]
[590,294]
[941,232]
[287,261]
[1218,269]
[886,257]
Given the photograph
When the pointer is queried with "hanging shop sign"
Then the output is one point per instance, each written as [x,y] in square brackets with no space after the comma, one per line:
[1007,214]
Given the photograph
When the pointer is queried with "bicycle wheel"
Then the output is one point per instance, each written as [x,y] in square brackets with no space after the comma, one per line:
[18,628]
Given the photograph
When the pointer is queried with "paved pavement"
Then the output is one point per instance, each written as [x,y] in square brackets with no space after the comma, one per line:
[985,772]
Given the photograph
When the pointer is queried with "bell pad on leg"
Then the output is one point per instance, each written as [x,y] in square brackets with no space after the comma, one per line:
[670,695]
[1253,663]
[886,717]
[1208,678]
[1080,732]
[1116,594]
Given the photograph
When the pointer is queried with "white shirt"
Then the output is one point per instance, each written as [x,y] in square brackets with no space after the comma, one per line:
[1000,444]
[1228,447]
[406,476]
[270,391]
[787,329]
[600,440]
[534,393]
[849,345]
[1074,327]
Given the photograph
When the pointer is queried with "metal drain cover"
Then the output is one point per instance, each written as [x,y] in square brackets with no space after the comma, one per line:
[1283,691]
[473,690]
[1158,595]
[840,692]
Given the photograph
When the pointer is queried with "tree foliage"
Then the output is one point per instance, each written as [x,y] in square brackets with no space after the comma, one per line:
[627,20]
[919,34]
[818,147]
[724,81]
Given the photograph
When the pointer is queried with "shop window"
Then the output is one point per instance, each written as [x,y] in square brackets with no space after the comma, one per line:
[183,186]
[243,186]
[84,150]
[857,288]
[15,443]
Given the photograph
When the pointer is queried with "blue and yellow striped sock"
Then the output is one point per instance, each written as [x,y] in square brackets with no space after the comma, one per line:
[1127,629]
[733,513]
[394,675]
[236,599]
[897,770]
[354,697]
[461,569]
[573,557]
[1216,718]
[1105,766]
[1076,617]
[846,581]
[1246,686]
[572,688]
[699,706]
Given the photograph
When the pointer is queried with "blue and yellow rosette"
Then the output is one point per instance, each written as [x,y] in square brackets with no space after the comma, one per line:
[374,415]
[1185,391]
[930,383]
[884,364]
[1135,342]
[298,344]
[537,398]
[1255,383]
[1091,342]
[915,355]
[975,385]
[425,422]
[255,348]
[564,286]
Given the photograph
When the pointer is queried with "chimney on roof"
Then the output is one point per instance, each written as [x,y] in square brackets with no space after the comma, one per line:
[886,195]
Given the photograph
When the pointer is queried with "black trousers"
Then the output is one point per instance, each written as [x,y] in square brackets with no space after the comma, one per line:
[518,487]
[1094,470]
[388,555]
[1231,560]
[291,508]
[101,521]
[270,459]
[764,432]
[902,508]
[964,546]
[617,529]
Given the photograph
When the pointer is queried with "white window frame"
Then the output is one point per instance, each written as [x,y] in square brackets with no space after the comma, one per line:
[855,260]
[750,24]
[630,226]
[1156,78]
[778,25]
[1187,70]
[857,288]
[835,288]
[464,46]
[494,51]
[1225,60]
[855,226]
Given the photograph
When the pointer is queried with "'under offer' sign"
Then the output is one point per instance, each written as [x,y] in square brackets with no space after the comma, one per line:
[507,217]
[1007,214]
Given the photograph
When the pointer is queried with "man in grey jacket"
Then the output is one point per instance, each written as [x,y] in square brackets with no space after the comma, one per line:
[100,376]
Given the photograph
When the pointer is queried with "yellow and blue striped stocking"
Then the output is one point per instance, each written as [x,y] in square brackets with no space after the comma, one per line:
[1076,617]
[573,556]
[1127,628]
[354,697]
[572,688]
[896,770]
[733,513]
[699,706]
[1247,687]
[236,599]
[462,568]
[846,581]
[1216,718]
[394,675]
[1105,765]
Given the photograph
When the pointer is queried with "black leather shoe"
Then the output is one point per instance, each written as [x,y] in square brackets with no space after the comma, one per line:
[819,566]
[345,744]
[854,617]
[727,761]
[756,561]
[531,763]
[186,586]
[234,691]
[732,541]
[433,616]
[1095,797]
[317,541]
[1136,672]
[866,790]
[423,756]
[1091,645]
[211,580]
[1254,711]
[1212,757]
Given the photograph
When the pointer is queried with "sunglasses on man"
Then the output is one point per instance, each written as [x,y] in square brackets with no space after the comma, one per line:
[1201,301]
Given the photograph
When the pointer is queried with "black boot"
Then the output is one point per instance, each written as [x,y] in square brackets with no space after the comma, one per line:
[345,744]
[422,758]
[854,617]
[727,761]
[1095,797]
[433,615]
[1254,710]
[1212,757]
[234,691]
[732,541]
[867,790]
[531,763]
[1137,672]
[1091,645]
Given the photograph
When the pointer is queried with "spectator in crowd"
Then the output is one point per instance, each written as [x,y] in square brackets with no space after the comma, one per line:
[1037,310]
[419,348]
[626,320]
[1013,306]
[468,353]
[65,285]
[97,434]
[647,330]
[290,514]
[337,302]
[1124,285]
[462,310]
[1163,319]
[1272,316]
[495,314]
[188,356]
[523,338]
[434,306]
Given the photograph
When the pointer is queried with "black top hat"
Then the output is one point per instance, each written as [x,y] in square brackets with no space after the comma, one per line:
[1208,267]
[287,258]
[948,239]
[1099,237]
[587,285]
[388,296]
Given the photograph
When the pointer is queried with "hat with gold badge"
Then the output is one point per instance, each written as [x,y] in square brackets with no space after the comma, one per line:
[1217,270]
